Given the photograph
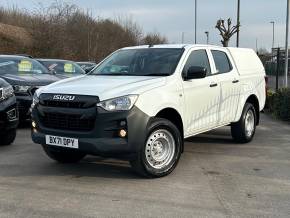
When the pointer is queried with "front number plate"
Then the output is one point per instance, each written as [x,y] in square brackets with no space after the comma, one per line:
[62,141]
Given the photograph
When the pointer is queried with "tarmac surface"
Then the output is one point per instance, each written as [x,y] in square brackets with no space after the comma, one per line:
[214,178]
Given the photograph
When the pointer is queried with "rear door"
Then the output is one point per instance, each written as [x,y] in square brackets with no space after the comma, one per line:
[201,95]
[230,85]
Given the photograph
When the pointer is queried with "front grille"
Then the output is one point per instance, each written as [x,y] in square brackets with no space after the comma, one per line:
[78,102]
[66,122]
[50,103]
[23,107]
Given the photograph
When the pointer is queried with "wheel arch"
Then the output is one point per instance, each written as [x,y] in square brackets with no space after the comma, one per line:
[253,99]
[173,116]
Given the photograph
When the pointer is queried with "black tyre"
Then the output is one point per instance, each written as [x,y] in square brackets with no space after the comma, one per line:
[63,155]
[7,137]
[161,151]
[244,130]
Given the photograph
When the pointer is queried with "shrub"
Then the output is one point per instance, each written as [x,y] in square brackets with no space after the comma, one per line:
[279,104]
[269,100]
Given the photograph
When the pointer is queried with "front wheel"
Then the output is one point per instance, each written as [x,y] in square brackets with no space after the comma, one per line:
[63,155]
[161,151]
[244,130]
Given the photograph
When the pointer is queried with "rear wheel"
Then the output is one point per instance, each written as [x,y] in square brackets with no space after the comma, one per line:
[7,137]
[244,130]
[161,151]
[63,155]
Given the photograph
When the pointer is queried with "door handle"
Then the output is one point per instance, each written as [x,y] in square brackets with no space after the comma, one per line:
[235,81]
[213,85]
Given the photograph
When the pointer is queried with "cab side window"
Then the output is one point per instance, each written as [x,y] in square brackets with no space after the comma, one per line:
[198,58]
[222,61]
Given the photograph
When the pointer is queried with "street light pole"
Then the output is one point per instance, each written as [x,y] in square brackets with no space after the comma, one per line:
[286,46]
[273,45]
[273,40]
[195,22]
[182,37]
[238,24]
[207,37]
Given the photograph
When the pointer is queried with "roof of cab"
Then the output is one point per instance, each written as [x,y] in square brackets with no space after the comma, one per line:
[53,60]
[15,57]
[172,46]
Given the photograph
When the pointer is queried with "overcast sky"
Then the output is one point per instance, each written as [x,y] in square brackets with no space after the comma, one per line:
[172,17]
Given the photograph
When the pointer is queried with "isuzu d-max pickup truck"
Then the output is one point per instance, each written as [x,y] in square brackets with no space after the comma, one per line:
[140,103]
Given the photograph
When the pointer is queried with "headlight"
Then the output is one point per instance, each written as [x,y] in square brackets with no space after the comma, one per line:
[6,92]
[35,100]
[21,89]
[123,103]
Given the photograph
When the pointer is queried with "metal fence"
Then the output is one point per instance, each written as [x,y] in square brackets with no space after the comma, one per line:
[274,65]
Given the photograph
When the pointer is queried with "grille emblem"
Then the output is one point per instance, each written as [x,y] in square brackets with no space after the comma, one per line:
[64,97]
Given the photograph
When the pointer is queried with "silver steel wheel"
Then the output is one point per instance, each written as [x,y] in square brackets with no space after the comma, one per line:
[250,123]
[160,148]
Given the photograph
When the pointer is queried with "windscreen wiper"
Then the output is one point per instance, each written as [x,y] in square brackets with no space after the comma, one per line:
[157,74]
[111,74]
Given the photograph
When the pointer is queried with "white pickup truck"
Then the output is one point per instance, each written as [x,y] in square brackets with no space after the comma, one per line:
[140,103]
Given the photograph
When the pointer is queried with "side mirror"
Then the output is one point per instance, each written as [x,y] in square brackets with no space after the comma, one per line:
[195,72]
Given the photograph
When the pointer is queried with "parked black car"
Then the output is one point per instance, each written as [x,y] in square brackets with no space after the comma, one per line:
[8,114]
[25,75]
[87,66]
[62,68]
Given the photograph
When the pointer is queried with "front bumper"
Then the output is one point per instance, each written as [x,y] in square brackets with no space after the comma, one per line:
[103,139]
[8,114]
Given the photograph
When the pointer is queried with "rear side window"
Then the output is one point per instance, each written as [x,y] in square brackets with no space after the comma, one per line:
[198,58]
[222,61]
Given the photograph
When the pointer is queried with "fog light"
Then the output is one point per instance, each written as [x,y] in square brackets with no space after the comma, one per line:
[12,115]
[123,133]
[33,123]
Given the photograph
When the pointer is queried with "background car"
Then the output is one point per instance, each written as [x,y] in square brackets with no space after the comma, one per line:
[8,114]
[62,68]
[87,66]
[26,75]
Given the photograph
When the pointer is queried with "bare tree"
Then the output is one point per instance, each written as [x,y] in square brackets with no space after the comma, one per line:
[65,31]
[154,38]
[226,30]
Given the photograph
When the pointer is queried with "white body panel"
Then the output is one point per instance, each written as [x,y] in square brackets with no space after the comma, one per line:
[105,87]
[200,106]
[252,77]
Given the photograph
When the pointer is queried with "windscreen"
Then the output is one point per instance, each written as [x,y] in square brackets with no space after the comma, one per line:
[63,67]
[21,66]
[140,62]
